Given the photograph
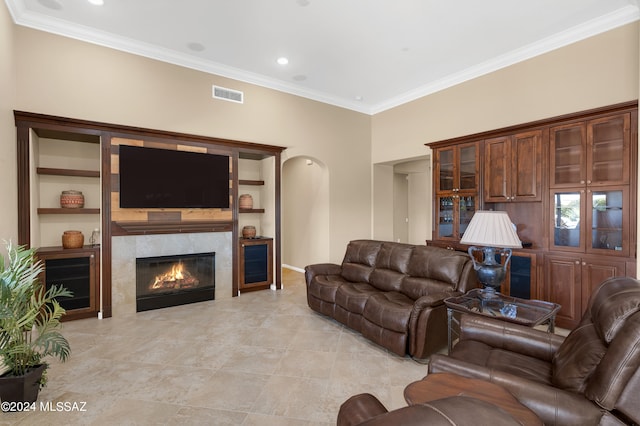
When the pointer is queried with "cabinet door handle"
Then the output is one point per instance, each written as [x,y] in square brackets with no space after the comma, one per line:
[584,263]
[577,262]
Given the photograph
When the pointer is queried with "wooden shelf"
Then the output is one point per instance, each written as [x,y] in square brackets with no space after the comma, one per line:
[67,211]
[251,182]
[67,172]
[251,210]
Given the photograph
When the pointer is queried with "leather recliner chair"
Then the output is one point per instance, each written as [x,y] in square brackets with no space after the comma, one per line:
[590,377]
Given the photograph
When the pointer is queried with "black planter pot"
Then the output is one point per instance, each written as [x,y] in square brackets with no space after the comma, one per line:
[21,388]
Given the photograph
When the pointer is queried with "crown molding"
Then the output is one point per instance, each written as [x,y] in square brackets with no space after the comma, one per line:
[24,17]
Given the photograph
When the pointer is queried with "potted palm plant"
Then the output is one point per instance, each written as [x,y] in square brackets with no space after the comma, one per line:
[29,325]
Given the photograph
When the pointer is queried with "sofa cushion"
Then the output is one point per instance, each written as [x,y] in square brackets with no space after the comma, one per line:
[517,364]
[359,260]
[577,358]
[437,263]
[325,287]
[390,310]
[353,296]
[391,266]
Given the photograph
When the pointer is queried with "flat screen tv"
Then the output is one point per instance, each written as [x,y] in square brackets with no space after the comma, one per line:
[160,178]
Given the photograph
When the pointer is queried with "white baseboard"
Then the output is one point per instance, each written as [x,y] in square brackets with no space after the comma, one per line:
[293,268]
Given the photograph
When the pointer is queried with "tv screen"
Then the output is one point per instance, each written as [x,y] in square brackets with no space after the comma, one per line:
[160,178]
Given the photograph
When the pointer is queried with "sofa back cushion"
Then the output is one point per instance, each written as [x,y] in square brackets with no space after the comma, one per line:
[391,266]
[359,260]
[577,358]
[433,269]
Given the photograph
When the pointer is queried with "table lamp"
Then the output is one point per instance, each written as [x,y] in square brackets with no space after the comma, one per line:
[493,231]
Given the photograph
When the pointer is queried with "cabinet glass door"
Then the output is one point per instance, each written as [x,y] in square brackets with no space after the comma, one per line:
[568,145]
[607,222]
[468,167]
[467,207]
[609,154]
[446,217]
[445,169]
[567,219]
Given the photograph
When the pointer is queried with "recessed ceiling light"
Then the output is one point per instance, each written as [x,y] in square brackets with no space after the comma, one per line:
[195,46]
[51,4]
[282,60]
[96,2]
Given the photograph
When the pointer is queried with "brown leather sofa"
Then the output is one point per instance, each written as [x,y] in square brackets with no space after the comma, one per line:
[366,409]
[392,293]
[590,377]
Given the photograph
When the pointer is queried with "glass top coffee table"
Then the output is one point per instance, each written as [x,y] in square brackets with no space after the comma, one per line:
[506,308]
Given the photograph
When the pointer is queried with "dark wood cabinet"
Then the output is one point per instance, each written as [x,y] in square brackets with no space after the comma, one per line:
[256,263]
[78,270]
[570,280]
[568,183]
[514,168]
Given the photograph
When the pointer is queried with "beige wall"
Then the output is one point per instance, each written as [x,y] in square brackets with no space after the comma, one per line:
[65,77]
[8,187]
[599,71]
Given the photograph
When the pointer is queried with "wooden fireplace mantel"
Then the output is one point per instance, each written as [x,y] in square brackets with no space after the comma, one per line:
[145,227]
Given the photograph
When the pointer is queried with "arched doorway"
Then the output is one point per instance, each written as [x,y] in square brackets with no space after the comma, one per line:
[305,212]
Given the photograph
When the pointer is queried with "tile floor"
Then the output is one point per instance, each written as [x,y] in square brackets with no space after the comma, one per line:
[263,358]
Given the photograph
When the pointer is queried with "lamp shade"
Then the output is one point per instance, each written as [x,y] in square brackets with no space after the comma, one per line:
[491,229]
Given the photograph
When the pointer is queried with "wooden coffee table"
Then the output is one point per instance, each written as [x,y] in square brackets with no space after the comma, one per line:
[443,385]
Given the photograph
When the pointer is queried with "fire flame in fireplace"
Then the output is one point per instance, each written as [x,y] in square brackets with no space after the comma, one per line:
[176,278]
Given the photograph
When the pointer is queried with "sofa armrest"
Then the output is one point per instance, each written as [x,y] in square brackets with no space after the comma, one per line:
[553,405]
[433,299]
[509,336]
[310,271]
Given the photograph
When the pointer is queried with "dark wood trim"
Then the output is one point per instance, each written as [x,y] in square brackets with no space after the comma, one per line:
[250,182]
[105,235]
[156,227]
[33,120]
[566,118]
[278,207]
[24,202]
[235,234]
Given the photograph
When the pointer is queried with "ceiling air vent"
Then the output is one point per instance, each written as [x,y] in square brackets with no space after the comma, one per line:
[228,94]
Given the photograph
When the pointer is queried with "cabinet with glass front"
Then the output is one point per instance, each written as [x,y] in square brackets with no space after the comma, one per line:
[457,176]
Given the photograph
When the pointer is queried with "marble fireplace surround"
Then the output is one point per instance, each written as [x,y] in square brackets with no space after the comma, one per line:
[125,250]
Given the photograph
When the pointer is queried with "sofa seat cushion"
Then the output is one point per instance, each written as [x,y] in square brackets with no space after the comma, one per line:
[519,365]
[325,287]
[353,296]
[390,310]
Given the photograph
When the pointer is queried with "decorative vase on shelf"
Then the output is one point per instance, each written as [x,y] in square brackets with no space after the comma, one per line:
[71,199]
[72,239]
[249,231]
[245,201]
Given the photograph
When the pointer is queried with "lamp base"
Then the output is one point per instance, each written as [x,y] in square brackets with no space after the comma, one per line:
[488,293]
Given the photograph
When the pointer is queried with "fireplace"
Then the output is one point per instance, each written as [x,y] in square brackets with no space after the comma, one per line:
[164,281]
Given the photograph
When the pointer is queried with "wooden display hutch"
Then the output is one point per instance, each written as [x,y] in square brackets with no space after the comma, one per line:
[569,184]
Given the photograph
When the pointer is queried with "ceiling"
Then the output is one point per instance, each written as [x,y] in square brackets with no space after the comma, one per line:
[364,55]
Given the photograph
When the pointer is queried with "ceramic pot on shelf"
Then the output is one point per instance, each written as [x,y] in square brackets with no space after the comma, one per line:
[249,231]
[245,201]
[71,199]
[72,239]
